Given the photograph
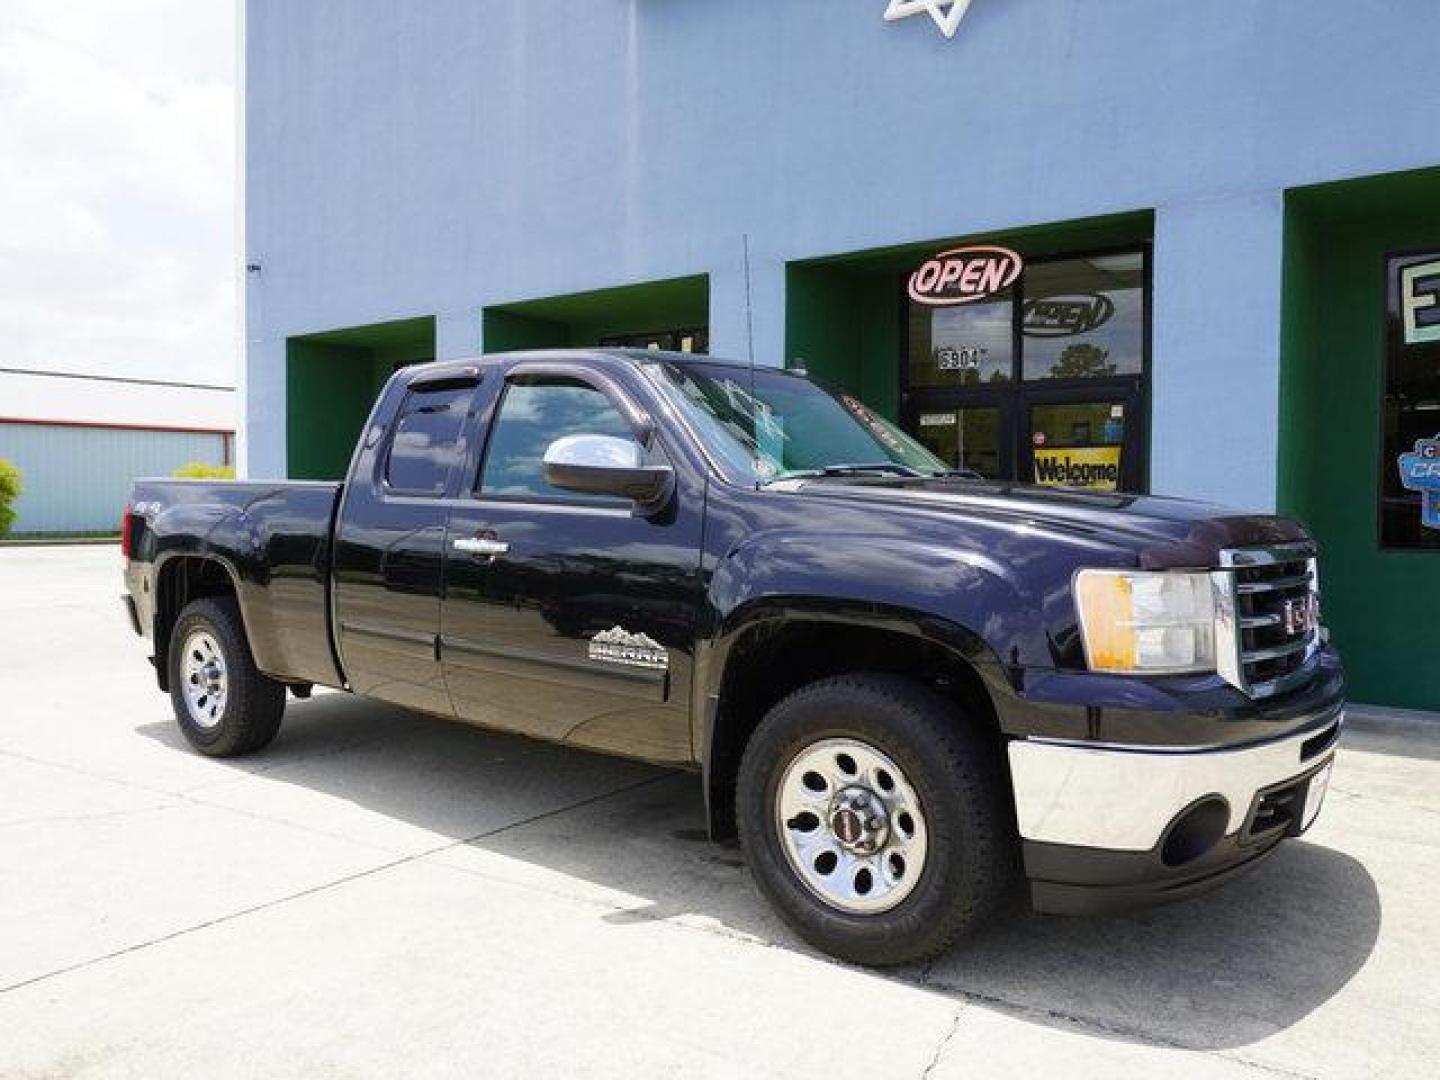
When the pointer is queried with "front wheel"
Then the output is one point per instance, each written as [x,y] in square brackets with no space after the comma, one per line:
[872,815]
[224,704]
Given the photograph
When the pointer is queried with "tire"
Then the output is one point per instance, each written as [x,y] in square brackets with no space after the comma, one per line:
[245,715]
[947,766]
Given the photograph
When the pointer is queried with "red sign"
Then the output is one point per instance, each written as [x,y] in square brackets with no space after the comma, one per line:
[964,275]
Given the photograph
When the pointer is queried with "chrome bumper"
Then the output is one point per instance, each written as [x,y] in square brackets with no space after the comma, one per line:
[1124,799]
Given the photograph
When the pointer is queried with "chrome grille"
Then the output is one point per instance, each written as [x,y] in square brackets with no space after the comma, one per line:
[1267,602]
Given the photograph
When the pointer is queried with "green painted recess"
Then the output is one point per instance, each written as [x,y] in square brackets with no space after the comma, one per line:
[581,319]
[331,381]
[1380,605]
[843,312]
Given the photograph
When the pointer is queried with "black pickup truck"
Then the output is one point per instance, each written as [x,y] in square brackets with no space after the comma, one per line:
[904,686]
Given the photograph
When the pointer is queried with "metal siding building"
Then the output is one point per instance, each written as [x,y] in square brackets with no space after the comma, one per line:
[760,178]
[77,479]
[81,440]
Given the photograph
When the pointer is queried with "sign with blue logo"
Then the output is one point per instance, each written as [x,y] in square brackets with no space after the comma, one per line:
[1420,471]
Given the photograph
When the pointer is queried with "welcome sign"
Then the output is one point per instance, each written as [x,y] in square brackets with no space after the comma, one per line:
[1094,467]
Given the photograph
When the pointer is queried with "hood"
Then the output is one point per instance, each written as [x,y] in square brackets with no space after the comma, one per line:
[1161,531]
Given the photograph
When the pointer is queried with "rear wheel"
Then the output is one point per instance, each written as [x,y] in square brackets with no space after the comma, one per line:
[224,704]
[872,816]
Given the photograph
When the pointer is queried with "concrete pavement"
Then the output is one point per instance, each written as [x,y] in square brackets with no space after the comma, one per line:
[384,894]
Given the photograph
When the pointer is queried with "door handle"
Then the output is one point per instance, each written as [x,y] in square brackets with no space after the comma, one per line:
[481,545]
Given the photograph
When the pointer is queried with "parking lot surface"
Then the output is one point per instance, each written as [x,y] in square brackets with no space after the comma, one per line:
[385,894]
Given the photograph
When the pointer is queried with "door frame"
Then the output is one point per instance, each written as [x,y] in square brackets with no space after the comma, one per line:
[1011,397]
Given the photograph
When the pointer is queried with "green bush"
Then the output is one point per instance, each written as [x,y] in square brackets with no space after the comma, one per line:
[11,481]
[199,470]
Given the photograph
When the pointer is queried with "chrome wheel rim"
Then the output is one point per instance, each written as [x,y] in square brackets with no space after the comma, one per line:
[851,825]
[204,679]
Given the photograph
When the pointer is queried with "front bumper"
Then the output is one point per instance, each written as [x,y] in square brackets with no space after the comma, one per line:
[1104,827]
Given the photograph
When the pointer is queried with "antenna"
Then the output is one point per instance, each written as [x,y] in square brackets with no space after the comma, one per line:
[749,316]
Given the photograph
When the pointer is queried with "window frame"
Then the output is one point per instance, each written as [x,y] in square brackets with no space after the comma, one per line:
[642,429]
[1391,340]
[389,490]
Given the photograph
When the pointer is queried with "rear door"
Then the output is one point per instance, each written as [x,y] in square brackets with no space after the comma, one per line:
[390,544]
[566,616]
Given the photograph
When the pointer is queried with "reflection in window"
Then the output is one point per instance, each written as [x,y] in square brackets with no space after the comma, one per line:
[964,345]
[427,441]
[1412,405]
[1084,318]
[532,416]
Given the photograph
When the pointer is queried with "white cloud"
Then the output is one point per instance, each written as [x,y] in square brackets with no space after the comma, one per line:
[117,187]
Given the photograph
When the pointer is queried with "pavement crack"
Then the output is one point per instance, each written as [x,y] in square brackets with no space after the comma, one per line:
[326,886]
[942,1044]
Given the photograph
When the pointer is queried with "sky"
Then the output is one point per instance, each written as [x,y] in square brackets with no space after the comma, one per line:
[117,187]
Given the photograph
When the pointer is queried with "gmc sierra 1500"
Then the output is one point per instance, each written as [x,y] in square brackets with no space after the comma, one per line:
[906,687]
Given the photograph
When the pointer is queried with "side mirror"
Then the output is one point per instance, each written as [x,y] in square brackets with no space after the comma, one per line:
[606,465]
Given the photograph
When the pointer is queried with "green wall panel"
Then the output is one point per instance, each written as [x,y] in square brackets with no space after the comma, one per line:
[331,382]
[1380,605]
[581,319]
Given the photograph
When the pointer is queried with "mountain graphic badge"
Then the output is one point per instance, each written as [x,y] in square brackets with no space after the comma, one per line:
[618,646]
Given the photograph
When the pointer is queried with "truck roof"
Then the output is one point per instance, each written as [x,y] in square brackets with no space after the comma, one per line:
[443,368]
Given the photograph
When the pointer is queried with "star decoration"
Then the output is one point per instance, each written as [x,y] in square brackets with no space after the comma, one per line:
[946,13]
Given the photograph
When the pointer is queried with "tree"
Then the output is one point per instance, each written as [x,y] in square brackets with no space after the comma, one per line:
[11,481]
[200,470]
[1082,362]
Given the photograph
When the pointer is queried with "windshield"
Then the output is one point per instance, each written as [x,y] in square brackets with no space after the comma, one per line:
[766,425]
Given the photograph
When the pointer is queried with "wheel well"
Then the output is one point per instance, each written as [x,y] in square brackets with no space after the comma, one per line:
[771,661]
[181,580]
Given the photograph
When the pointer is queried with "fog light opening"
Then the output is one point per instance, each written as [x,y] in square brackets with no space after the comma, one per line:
[1196,831]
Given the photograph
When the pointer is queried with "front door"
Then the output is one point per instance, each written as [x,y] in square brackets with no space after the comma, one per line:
[567,616]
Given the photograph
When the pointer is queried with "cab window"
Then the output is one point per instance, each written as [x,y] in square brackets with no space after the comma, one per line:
[426,443]
[533,414]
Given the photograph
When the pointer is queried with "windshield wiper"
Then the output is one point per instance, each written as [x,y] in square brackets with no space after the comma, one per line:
[957,474]
[859,468]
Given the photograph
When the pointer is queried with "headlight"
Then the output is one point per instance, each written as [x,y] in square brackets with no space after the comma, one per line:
[1146,621]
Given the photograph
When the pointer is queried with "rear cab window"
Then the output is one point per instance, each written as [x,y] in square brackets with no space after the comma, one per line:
[426,444]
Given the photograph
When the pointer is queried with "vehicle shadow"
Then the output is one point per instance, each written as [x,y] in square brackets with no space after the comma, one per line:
[1220,971]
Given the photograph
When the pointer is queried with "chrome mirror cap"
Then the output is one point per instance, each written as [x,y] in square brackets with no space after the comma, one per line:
[594,452]
[609,466]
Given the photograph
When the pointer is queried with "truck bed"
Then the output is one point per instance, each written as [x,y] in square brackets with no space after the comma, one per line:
[273,536]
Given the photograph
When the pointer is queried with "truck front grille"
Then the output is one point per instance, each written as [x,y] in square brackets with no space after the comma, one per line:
[1268,612]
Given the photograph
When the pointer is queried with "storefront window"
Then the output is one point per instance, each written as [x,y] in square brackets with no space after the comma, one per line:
[965,345]
[1042,383]
[1410,457]
[965,438]
[1084,318]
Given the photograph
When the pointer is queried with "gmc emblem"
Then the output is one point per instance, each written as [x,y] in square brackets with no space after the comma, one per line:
[1299,615]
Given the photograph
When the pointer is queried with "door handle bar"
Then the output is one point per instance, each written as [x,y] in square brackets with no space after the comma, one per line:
[480,545]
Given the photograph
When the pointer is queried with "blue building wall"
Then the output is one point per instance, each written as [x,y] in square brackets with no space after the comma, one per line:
[78,479]
[406,159]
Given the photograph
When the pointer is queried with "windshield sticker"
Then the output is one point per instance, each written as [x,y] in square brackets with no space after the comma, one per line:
[877,428]
[1094,467]
[1420,471]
